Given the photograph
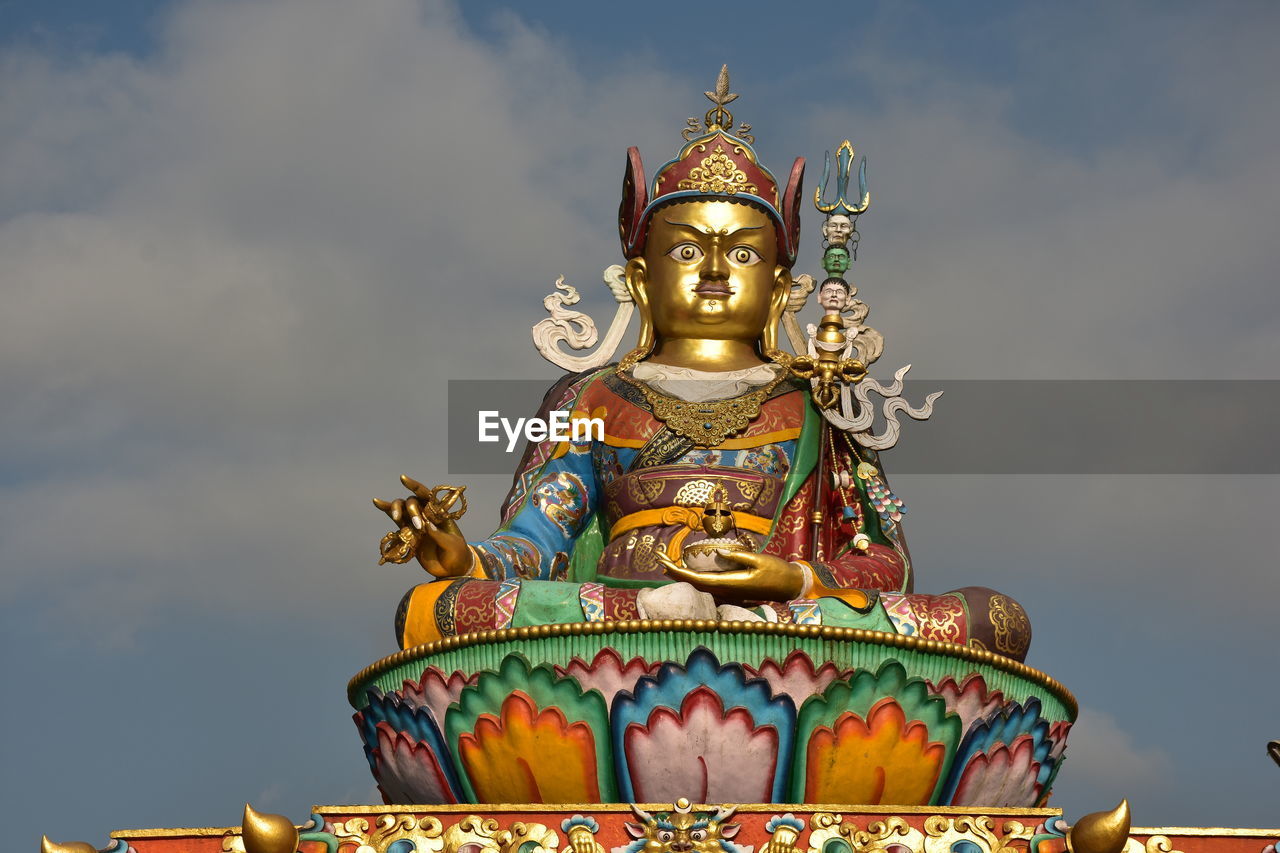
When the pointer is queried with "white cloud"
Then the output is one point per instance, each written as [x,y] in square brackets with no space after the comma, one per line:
[237,277]
[1105,764]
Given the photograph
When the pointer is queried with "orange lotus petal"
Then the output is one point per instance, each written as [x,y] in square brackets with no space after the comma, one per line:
[530,756]
[881,760]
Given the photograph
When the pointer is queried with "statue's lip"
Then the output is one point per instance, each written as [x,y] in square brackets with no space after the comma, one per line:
[710,288]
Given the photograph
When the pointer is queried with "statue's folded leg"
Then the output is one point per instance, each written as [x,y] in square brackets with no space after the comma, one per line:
[431,611]
[973,616]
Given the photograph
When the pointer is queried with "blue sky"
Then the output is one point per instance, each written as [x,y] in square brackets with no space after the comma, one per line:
[231,231]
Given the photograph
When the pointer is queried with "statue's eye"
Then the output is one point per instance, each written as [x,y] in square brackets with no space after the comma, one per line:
[666,836]
[698,835]
[744,256]
[686,253]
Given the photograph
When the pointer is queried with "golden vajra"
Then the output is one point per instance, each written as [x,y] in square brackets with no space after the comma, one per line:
[830,371]
[399,546]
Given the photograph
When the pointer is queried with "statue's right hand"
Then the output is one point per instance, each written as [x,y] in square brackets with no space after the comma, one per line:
[440,549]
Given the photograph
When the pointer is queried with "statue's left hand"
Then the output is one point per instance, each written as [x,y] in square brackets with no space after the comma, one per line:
[763,577]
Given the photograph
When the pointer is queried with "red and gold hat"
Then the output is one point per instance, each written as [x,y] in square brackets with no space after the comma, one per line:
[717,163]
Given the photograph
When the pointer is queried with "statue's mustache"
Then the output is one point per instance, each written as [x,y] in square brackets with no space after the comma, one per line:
[716,288]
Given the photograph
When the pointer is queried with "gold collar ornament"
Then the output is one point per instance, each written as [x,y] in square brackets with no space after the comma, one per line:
[709,422]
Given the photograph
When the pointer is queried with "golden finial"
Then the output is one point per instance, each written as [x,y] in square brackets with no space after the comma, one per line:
[267,833]
[47,846]
[718,118]
[1100,832]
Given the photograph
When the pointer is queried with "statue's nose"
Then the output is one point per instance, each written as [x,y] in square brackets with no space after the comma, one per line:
[681,846]
[714,268]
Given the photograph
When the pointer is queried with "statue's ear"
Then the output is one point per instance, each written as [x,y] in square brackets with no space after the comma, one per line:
[777,304]
[637,279]
[782,282]
[789,237]
[635,196]
[636,275]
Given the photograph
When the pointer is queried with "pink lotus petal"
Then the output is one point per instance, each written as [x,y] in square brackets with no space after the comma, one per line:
[796,677]
[970,700]
[407,770]
[1006,776]
[701,753]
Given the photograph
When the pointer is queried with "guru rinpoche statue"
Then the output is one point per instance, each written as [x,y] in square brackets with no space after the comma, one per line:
[735,481]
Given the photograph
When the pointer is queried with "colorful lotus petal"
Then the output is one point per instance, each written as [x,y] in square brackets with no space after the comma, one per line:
[410,771]
[797,677]
[883,759]
[731,760]
[970,700]
[1049,769]
[436,690]
[845,711]
[702,724]
[1005,726]
[406,751]
[529,756]
[606,673]
[1005,775]
[524,735]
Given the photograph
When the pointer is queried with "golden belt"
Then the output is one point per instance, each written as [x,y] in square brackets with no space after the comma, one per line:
[689,518]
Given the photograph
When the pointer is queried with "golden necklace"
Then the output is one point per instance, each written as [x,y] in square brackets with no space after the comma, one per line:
[709,422]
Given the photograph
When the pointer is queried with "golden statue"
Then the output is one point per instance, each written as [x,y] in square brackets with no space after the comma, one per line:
[705,413]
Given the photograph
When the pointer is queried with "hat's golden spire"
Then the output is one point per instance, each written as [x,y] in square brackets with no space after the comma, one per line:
[718,117]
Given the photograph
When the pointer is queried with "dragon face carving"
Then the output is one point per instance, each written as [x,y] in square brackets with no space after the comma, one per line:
[683,831]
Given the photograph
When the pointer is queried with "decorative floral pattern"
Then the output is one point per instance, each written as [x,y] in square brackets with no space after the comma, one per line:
[508,549]
[679,827]
[1012,627]
[718,173]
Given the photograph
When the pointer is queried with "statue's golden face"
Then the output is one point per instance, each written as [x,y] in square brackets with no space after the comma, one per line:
[710,271]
